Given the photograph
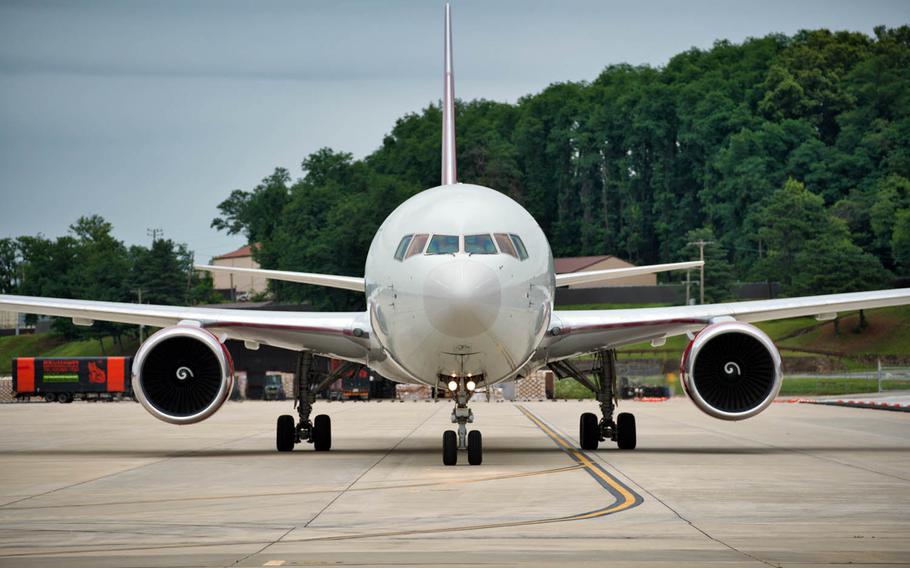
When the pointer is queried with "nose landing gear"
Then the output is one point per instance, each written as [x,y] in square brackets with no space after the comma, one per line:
[592,431]
[472,441]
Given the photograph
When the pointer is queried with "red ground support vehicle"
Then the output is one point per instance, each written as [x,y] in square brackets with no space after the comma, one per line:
[64,379]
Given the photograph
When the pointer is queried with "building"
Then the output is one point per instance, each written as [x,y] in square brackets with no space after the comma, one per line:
[573,264]
[234,285]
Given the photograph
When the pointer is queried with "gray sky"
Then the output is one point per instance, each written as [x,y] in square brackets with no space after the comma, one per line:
[150,113]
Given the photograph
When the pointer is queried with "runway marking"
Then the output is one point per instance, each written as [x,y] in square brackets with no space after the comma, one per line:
[624,498]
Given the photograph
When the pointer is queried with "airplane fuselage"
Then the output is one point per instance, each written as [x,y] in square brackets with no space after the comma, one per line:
[459,283]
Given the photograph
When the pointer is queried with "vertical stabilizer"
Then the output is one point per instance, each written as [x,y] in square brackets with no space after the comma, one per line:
[448,108]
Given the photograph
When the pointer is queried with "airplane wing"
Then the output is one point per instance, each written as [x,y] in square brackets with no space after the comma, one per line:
[576,332]
[344,335]
[614,273]
[328,280]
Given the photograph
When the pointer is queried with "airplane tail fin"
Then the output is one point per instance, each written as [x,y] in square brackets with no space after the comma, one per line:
[448,107]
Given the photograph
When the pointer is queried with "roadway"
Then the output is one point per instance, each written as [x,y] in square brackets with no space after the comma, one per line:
[107,485]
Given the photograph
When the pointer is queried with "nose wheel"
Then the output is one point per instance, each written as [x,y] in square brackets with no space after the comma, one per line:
[453,441]
[450,447]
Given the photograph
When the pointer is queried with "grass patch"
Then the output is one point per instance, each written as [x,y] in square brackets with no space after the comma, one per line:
[51,345]
[572,389]
[836,386]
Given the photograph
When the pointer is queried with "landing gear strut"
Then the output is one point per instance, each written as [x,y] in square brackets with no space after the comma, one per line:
[593,431]
[306,385]
[462,415]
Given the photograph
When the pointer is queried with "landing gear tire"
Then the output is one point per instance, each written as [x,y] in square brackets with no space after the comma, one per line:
[286,433]
[625,431]
[475,447]
[588,431]
[449,447]
[322,433]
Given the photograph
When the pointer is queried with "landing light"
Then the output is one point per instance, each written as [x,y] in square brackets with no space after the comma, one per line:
[453,386]
[471,385]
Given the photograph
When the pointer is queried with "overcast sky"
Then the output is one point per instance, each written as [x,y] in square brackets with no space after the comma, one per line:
[150,113]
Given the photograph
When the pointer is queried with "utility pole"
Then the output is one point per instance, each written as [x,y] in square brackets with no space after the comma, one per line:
[701,243]
[138,292]
[155,234]
[189,275]
[688,283]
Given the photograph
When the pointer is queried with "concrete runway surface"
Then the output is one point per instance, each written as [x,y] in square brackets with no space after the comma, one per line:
[107,485]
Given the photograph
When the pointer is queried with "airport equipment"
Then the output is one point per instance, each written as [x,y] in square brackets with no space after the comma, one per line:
[64,379]
[265,387]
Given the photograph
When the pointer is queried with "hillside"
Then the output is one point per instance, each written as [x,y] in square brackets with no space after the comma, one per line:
[887,335]
[51,345]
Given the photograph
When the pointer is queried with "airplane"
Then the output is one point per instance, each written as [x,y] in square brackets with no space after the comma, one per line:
[459,284]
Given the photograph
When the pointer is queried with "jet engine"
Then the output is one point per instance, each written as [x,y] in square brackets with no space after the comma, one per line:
[182,374]
[731,370]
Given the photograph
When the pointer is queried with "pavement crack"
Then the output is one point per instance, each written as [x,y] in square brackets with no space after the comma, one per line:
[127,470]
[350,485]
[266,545]
[696,527]
[786,449]
[674,511]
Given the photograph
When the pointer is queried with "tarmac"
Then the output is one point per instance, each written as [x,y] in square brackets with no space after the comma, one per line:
[105,484]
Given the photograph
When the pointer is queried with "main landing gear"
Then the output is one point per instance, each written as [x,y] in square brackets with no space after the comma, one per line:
[462,389]
[593,431]
[306,385]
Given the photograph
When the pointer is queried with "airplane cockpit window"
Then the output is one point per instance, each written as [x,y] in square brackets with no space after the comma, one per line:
[519,246]
[443,244]
[479,244]
[417,244]
[505,244]
[403,247]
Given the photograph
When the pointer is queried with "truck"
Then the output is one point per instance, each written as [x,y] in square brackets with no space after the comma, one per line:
[65,379]
[265,387]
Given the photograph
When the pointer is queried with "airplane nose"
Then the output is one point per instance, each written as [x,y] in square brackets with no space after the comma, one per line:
[462,298]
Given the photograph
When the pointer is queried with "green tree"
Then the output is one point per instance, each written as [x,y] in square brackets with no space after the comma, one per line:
[10,261]
[900,241]
[791,217]
[161,272]
[831,264]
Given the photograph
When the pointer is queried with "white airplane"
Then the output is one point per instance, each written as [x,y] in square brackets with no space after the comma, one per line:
[459,283]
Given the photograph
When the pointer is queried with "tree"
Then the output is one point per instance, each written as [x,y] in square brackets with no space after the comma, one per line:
[791,217]
[161,272]
[900,241]
[831,263]
[10,261]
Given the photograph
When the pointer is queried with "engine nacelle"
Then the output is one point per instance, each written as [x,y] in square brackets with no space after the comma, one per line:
[182,374]
[731,370]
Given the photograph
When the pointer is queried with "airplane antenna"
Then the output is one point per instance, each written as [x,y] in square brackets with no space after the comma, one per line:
[448,108]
